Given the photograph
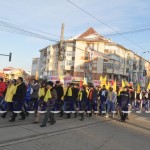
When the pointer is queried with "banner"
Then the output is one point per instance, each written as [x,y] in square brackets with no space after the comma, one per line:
[67,79]
[96,83]
[53,78]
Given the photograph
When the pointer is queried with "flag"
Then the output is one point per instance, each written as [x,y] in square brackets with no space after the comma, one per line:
[138,88]
[114,86]
[81,83]
[148,87]
[107,85]
[84,81]
[126,83]
[101,78]
[104,81]
[123,84]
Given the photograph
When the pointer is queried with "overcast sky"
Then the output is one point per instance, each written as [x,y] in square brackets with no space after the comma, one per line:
[48,15]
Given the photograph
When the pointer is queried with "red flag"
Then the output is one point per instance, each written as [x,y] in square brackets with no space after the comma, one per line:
[81,83]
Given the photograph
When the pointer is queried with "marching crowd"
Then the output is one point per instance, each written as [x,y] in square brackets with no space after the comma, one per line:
[48,97]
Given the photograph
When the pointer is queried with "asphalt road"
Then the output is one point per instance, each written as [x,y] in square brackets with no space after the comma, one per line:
[95,133]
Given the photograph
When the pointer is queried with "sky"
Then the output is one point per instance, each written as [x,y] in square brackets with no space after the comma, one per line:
[48,15]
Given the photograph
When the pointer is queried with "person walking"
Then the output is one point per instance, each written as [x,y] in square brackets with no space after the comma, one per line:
[2,89]
[124,102]
[42,105]
[103,96]
[68,100]
[8,98]
[111,101]
[18,99]
[82,98]
[50,98]
[34,95]
[60,92]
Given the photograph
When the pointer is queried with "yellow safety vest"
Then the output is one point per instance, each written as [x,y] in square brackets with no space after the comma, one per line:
[10,93]
[41,92]
[47,95]
[80,95]
[69,92]
[15,87]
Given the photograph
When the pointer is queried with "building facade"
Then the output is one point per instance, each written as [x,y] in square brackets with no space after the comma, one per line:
[89,56]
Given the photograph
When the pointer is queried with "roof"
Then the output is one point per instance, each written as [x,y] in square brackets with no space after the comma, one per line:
[90,35]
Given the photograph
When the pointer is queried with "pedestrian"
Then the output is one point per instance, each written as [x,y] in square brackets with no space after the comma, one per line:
[42,105]
[124,102]
[111,102]
[28,98]
[2,90]
[8,98]
[146,100]
[82,98]
[50,98]
[60,92]
[93,97]
[18,99]
[103,96]
[34,95]
[74,104]
[68,100]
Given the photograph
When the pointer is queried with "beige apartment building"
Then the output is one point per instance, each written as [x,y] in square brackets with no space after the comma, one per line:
[90,55]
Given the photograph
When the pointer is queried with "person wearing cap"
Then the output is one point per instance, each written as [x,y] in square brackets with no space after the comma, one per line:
[124,102]
[60,93]
[50,98]
[18,99]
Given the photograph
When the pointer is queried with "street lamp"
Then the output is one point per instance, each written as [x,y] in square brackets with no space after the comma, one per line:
[144,53]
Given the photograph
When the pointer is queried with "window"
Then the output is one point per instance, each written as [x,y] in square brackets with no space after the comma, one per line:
[86,55]
[45,53]
[86,66]
[69,63]
[68,53]
[55,65]
[90,45]
[105,60]
[127,70]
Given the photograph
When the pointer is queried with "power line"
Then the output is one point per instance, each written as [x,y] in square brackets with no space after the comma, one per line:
[11,25]
[91,15]
[28,27]
[14,29]
[131,28]
[128,31]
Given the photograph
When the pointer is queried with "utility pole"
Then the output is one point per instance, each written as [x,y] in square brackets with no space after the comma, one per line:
[61,53]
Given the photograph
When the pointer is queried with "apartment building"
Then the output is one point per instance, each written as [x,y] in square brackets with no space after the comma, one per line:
[35,66]
[84,56]
[90,55]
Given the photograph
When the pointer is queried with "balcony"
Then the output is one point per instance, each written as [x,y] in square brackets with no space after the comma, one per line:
[109,70]
[69,67]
